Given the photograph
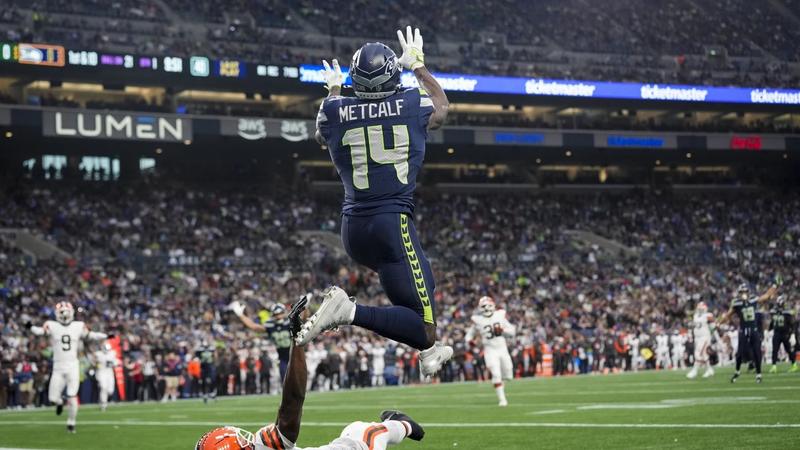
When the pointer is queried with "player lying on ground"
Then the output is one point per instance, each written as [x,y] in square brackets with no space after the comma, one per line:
[377,143]
[65,335]
[494,328]
[746,308]
[282,435]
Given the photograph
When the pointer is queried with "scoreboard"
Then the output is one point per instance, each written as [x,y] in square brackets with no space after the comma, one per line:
[34,54]
[251,75]
[194,66]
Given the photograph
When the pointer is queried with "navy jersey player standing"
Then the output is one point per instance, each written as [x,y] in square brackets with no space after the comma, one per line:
[746,309]
[278,329]
[782,325]
[377,143]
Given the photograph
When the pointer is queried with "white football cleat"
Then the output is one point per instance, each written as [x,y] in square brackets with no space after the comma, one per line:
[692,374]
[503,403]
[432,359]
[337,309]
[709,373]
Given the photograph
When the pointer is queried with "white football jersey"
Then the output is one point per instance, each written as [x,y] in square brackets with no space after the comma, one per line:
[662,342]
[485,326]
[65,340]
[700,324]
[106,360]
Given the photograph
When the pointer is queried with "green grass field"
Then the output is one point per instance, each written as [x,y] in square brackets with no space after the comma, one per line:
[644,410]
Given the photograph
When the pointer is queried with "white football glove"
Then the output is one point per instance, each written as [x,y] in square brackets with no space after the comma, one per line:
[333,76]
[237,308]
[411,43]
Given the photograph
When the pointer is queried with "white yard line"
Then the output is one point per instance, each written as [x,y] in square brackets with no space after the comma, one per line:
[427,425]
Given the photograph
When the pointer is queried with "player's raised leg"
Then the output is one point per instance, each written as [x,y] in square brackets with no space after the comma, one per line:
[388,244]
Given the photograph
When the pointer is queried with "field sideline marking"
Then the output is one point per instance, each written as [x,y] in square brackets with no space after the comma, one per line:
[431,425]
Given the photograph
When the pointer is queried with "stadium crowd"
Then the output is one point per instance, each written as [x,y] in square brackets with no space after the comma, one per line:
[159,265]
[719,42]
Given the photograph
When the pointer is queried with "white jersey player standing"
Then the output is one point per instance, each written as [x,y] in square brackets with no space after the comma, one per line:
[378,365]
[65,337]
[105,362]
[678,342]
[662,351]
[701,327]
[494,328]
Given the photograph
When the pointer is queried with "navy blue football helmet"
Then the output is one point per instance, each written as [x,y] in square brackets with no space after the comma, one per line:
[375,71]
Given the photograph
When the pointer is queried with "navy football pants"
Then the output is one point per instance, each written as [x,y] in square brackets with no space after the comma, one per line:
[388,244]
[749,347]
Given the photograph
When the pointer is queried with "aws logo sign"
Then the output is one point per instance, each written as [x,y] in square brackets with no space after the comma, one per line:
[252,129]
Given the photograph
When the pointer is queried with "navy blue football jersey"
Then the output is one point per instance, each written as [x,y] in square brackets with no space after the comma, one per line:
[747,311]
[280,333]
[781,320]
[378,147]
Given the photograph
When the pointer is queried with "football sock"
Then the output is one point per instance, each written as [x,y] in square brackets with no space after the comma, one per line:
[72,410]
[397,431]
[397,323]
[501,392]
[103,398]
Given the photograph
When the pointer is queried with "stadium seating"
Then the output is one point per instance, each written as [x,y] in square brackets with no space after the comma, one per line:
[161,262]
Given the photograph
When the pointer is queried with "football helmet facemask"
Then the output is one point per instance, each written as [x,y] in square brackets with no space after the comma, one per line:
[487,306]
[375,71]
[743,291]
[226,438]
[64,312]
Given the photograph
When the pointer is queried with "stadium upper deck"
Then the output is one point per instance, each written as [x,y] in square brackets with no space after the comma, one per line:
[716,42]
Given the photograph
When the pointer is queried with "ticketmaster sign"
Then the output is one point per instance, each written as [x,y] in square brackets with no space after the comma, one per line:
[118,126]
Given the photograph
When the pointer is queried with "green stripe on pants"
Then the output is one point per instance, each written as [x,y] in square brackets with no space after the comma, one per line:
[416,270]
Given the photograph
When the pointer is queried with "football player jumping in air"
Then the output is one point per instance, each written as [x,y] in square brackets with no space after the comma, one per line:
[283,433]
[65,336]
[746,308]
[494,328]
[377,142]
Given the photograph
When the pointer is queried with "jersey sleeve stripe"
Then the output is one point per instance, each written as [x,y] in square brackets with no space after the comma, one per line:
[425,102]
[373,432]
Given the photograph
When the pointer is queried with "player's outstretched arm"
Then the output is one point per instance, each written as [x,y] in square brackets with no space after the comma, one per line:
[333,83]
[294,385]
[94,335]
[238,309]
[38,331]
[413,58]
[440,103]
[769,294]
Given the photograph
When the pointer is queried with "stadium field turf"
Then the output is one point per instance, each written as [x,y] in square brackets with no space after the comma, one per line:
[643,410]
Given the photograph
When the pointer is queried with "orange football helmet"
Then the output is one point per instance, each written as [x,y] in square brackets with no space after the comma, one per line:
[226,438]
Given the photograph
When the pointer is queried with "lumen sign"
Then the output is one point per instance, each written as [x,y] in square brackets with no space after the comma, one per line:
[137,127]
